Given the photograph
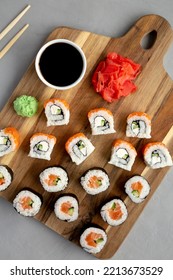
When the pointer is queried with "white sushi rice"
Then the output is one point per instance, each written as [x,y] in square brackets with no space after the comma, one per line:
[105,212]
[7,144]
[7,178]
[145,127]
[47,144]
[144,192]
[60,173]
[99,246]
[65,216]
[118,152]
[76,155]
[17,203]
[96,118]
[52,117]
[162,160]
[98,173]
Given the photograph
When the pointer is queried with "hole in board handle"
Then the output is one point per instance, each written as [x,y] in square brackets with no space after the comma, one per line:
[148,40]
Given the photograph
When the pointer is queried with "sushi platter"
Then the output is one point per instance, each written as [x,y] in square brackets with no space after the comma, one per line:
[154,96]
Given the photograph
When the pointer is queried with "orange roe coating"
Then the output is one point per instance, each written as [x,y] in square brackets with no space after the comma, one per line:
[44,135]
[53,100]
[119,142]
[98,110]
[77,135]
[149,145]
[12,132]
[139,114]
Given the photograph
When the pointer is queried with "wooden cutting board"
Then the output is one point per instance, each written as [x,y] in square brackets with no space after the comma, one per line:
[154,96]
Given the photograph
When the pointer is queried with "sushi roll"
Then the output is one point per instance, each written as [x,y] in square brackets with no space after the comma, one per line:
[95,181]
[93,240]
[54,179]
[9,140]
[41,145]
[79,147]
[156,155]
[114,212]
[137,188]
[66,208]
[138,125]
[123,154]
[27,203]
[101,121]
[6,175]
[57,111]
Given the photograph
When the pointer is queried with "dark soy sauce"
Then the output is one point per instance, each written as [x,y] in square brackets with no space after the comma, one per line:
[61,64]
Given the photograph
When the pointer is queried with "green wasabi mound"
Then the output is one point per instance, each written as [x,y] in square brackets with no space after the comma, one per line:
[26,106]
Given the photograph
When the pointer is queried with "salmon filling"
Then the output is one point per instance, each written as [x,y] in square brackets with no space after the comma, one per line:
[115,212]
[52,180]
[95,182]
[93,239]
[67,208]
[2,179]
[26,203]
[136,188]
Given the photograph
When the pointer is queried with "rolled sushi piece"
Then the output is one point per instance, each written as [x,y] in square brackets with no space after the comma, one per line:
[95,181]
[137,188]
[6,177]
[93,240]
[9,140]
[114,212]
[27,203]
[79,147]
[123,154]
[138,125]
[66,208]
[54,179]
[57,112]
[41,145]
[101,121]
[156,155]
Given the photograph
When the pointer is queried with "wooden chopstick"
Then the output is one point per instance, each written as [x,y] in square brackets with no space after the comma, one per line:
[12,41]
[13,22]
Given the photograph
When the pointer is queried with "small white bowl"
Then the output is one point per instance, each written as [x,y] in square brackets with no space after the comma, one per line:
[39,54]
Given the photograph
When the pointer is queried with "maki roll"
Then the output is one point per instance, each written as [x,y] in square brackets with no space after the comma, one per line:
[114,212]
[27,203]
[95,181]
[5,177]
[156,155]
[79,147]
[66,208]
[9,140]
[101,121]
[41,145]
[137,188]
[138,125]
[54,179]
[123,154]
[57,111]
[93,240]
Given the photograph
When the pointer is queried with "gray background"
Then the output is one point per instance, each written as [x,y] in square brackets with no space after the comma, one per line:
[22,238]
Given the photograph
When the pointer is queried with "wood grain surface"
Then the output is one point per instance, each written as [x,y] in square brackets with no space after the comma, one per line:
[154,96]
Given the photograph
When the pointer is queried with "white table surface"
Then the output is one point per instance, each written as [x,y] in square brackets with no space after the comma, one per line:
[24,238]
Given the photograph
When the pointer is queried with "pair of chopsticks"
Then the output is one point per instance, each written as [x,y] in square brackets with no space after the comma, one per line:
[17,36]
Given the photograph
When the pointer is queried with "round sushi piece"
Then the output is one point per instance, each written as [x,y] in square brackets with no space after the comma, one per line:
[5,177]
[27,203]
[54,179]
[57,112]
[95,181]
[79,147]
[41,145]
[123,154]
[114,212]
[66,208]
[137,188]
[9,140]
[101,121]
[156,155]
[138,125]
[93,240]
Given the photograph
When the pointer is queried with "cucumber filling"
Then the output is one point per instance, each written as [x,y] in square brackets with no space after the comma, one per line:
[135,193]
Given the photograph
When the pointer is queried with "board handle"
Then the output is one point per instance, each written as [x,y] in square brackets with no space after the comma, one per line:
[146,25]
